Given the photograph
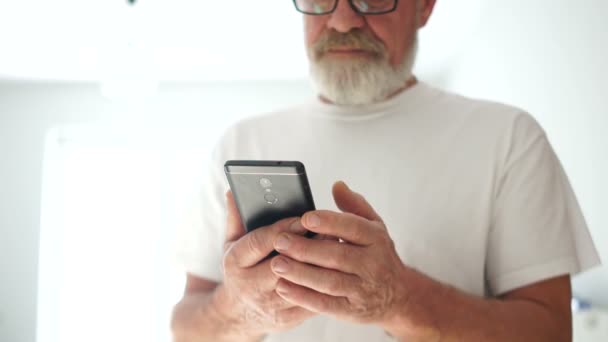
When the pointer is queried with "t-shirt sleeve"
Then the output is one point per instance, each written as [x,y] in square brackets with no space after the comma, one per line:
[538,230]
[200,236]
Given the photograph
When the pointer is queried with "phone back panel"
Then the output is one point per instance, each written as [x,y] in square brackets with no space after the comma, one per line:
[268,191]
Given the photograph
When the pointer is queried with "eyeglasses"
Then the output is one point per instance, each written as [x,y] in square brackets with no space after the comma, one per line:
[363,7]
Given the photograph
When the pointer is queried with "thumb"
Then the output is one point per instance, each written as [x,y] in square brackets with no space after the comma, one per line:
[351,202]
[234,225]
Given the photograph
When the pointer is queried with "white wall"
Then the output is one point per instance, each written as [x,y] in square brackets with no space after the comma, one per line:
[28,110]
[545,56]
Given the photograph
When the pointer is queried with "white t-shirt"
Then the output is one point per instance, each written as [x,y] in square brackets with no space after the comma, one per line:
[471,191]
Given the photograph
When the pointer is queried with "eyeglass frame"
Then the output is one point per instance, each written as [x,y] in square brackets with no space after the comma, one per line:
[350,2]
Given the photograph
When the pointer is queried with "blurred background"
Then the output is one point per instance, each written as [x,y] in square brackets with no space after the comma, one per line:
[108,111]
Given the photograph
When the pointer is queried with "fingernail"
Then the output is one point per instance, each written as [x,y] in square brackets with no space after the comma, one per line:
[280,265]
[313,220]
[282,243]
[282,287]
[297,227]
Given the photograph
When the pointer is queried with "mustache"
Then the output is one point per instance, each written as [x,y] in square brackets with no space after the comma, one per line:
[355,39]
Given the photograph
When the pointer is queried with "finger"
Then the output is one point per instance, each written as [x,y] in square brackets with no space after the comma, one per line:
[331,282]
[349,227]
[258,284]
[325,237]
[269,301]
[261,277]
[323,253]
[351,202]
[293,316]
[256,245]
[276,302]
[234,224]
[312,300]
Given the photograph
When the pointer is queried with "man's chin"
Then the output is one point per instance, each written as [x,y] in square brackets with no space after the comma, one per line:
[349,55]
[353,83]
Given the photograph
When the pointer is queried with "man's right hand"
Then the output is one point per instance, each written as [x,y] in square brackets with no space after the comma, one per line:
[247,296]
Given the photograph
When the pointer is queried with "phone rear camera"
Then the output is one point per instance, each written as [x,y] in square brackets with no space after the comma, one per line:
[265,183]
[271,198]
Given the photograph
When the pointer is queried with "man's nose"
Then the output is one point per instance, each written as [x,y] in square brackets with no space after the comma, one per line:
[344,18]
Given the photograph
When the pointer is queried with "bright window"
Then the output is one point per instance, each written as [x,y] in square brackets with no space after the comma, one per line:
[112,200]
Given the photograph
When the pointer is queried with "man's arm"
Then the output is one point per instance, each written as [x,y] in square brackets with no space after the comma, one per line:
[200,316]
[538,312]
[245,306]
[365,281]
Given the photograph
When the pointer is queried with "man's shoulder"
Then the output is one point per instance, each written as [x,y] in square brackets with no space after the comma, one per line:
[464,104]
[484,113]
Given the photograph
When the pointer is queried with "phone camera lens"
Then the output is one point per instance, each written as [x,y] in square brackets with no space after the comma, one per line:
[265,183]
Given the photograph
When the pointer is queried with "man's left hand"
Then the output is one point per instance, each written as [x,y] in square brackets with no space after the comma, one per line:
[359,279]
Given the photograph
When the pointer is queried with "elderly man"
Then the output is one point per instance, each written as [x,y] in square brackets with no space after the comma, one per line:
[474,230]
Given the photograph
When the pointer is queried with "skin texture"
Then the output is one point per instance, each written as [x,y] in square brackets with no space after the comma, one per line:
[246,305]
[364,281]
[395,30]
[358,60]
[361,279]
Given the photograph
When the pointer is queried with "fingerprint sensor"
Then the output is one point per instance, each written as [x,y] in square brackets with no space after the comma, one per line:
[271,198]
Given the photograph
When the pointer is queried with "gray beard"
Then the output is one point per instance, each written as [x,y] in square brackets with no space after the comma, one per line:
[361,81]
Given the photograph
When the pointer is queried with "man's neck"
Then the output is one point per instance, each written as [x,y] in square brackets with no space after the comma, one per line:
[408,84]
[412,81]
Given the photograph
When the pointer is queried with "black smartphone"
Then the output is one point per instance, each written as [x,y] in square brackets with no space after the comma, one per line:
[268,191]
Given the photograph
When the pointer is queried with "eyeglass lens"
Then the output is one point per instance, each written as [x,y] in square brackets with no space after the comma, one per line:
[328,6]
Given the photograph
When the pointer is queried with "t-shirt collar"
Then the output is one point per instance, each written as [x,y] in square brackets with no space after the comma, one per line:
[408,98]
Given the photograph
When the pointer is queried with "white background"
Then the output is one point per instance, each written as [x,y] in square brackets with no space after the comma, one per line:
[547,57]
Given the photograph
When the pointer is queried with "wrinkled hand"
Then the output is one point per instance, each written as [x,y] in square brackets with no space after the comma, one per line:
[359,279]
[249,284]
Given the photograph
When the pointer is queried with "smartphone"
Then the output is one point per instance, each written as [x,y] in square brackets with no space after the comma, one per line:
[268,191]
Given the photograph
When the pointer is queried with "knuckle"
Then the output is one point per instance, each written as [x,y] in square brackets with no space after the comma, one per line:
[254,243]
[336,285]
[357,226]
[334,261]
[325,306]
[282,225]
[336,255]
[344,255]
[300,247]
